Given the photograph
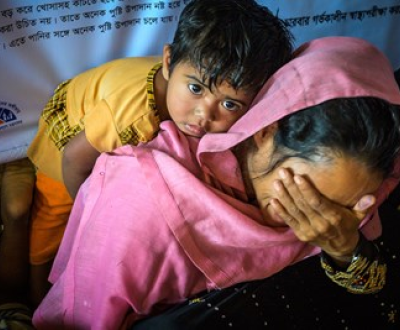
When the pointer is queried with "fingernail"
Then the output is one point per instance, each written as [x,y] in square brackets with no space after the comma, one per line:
[298,179]
[277,185]
[366,202]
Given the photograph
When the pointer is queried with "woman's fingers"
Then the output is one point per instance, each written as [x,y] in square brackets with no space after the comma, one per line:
[300,199]
[285,205]
[304,209]
[316,219]
[294,198]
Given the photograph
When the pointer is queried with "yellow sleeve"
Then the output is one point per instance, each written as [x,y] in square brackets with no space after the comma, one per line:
[104,134]
[100,128]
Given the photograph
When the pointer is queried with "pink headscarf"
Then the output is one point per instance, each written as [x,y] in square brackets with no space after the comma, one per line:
[322,69]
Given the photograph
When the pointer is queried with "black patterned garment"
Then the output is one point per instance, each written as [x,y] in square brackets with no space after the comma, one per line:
[300,297]
[397,76]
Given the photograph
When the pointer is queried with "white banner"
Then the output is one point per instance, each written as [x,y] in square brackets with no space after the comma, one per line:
[45,42]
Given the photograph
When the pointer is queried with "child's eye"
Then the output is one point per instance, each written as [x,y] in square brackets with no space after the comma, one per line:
[231,106]
[195,88]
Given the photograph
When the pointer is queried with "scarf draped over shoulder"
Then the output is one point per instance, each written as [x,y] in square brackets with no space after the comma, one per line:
[157,223]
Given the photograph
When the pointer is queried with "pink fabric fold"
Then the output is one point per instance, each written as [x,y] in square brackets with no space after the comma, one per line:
[158,223]
[322,69]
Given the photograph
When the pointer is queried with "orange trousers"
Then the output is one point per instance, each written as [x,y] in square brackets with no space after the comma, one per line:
[50,212]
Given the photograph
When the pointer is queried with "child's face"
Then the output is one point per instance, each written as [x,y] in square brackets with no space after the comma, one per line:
[195,109]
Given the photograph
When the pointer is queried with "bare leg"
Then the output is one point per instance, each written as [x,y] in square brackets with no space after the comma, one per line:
[39,285]
[49,215]
[17,182]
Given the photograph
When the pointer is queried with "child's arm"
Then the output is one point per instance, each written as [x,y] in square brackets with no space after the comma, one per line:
[78,160]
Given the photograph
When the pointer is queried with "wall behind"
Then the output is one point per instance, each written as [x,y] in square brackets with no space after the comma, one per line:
[45,42]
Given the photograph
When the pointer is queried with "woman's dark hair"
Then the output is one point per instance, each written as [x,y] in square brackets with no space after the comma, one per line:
[364,128]
[238,41]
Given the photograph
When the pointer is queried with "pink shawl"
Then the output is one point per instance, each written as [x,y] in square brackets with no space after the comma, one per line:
[156,224]
[323,69]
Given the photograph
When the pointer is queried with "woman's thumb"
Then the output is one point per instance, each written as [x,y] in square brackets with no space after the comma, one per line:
[365,203]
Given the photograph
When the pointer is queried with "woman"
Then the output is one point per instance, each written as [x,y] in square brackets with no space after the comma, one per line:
[191,226]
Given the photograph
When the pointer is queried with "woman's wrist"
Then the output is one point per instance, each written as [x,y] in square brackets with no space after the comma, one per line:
[346,255]
[365,273]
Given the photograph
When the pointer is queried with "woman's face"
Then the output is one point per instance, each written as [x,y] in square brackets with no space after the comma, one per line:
[343,180]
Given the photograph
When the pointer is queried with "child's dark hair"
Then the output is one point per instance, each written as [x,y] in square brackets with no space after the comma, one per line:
[238,41]
[365,128]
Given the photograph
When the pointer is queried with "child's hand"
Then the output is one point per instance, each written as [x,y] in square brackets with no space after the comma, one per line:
[316,219]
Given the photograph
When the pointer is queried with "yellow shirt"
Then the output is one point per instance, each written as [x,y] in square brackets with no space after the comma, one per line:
[114,103]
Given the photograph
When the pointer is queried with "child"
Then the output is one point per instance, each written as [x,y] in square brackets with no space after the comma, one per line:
[204,81]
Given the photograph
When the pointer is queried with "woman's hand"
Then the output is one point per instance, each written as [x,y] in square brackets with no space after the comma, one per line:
[316,219]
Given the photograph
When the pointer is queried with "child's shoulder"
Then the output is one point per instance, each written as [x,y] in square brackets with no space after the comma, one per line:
[136,61]
[118,68]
